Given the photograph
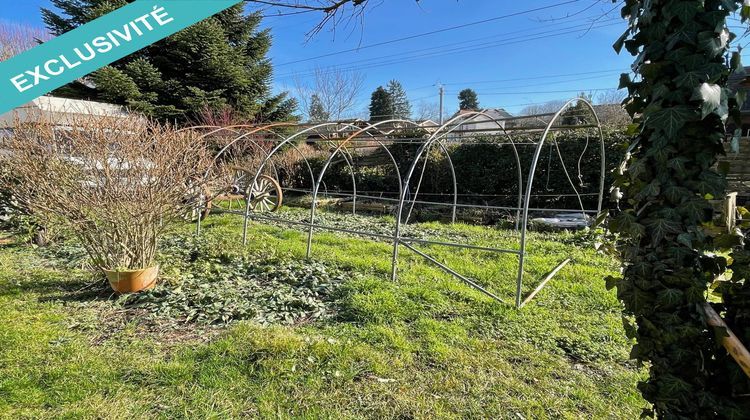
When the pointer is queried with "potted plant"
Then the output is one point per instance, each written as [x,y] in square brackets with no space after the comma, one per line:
[116,183]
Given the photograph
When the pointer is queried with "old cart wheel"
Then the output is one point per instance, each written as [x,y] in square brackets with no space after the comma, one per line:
[197,205]
[234,195]
[266,195]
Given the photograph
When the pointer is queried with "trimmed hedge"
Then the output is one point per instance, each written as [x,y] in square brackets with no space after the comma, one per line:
[486,171]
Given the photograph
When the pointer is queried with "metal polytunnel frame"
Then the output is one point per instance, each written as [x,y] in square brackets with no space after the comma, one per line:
[345,135]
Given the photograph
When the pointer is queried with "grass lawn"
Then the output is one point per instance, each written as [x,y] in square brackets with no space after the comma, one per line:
[425,346]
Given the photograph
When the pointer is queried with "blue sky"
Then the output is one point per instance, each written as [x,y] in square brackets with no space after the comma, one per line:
[511,62]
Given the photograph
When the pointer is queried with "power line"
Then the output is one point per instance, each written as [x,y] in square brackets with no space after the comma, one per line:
[538,77]
[507,36]
[478,47]
[423,34]
[544,92]
[546,82]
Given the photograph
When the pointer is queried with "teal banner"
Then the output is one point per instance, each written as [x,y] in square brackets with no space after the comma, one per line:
[96,44]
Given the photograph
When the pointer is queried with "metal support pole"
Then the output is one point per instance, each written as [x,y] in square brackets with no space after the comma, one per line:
[452,272]
[546,279]
[442,93]
[198,223]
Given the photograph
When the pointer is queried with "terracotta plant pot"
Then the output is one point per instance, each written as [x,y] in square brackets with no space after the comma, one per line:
[130,281]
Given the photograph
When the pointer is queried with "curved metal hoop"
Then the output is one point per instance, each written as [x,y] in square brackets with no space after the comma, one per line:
[530,183]
[341,146]
[349,133]
[443,131]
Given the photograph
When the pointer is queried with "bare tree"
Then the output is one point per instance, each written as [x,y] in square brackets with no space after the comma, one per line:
[17,38]
[427,111]
[337,90]
[543,108]
[610,110]
[612,96]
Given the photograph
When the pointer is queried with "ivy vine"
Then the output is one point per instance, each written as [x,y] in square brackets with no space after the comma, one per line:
[666,238]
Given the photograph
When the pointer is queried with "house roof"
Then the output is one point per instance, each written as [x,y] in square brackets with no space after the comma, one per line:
[59,111]
[495,113]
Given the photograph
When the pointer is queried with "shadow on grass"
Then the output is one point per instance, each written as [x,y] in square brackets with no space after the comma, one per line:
[49,279]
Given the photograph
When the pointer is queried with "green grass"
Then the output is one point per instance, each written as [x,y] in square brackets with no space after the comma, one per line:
[424,346]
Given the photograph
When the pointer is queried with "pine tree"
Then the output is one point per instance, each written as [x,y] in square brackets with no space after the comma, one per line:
[401,106]
[216,64]
[317,112]
[467,100]
[381,105]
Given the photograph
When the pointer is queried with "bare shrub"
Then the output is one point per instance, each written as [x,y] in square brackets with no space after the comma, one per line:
[116,184]
[249,152]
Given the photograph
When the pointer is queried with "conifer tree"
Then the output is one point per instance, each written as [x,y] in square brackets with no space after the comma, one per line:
[216,64]
[401,106]
[317,112]
[467,99]
[381,105]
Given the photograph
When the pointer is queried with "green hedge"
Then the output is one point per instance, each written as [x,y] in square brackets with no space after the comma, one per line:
[486,171]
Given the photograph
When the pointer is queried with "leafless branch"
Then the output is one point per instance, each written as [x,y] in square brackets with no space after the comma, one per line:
[337,90]
[16,38]
[335,12]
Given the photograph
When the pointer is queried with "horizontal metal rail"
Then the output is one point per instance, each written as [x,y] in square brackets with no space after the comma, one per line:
[348,192]
[377,235]
[471,206]
[457,245]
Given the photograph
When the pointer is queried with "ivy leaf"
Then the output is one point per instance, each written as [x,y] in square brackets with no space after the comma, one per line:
[625,81]
[651,189]
[689,79]
[728,240]
[695,209]
[714,100]
[685,239]
[673,386]
[672,119]
[611,282]
[678,164]
[714,45]
[669,297]
[676,194]
[685,11]
[620,41]
[660,228]
[625,222]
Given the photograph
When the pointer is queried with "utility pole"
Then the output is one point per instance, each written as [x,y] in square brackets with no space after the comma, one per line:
[442,93]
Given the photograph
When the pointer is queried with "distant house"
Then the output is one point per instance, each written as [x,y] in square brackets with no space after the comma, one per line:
[489,124]
[736,82]
[738,177]
[61,112]
[428,125]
